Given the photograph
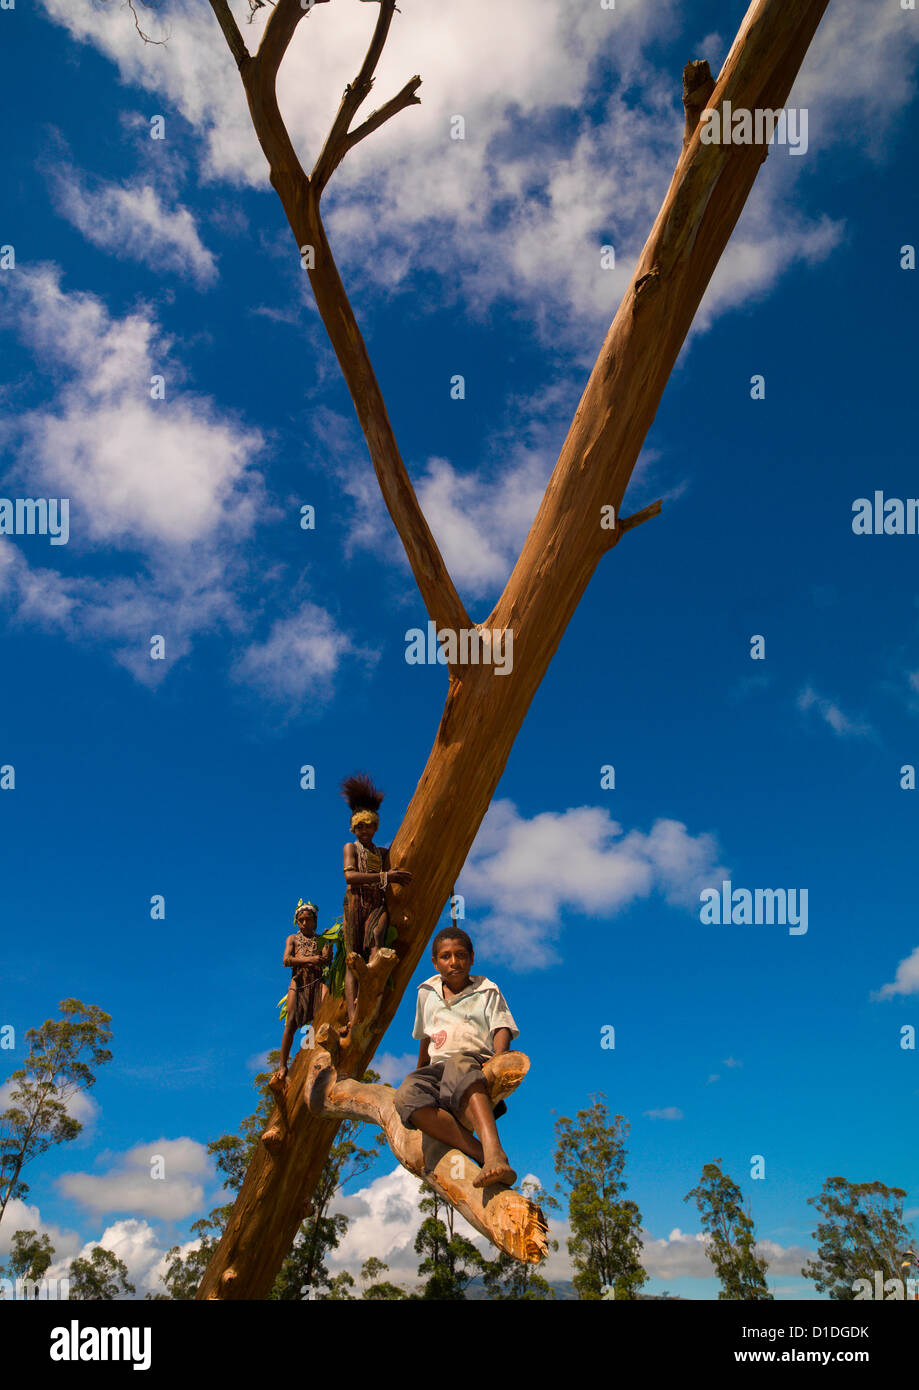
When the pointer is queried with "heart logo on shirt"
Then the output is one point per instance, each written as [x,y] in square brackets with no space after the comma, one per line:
[438,1039]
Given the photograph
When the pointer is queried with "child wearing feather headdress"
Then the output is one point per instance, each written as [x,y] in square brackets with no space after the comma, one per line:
[368,873]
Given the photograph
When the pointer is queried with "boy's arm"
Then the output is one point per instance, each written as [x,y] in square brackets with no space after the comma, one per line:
[500,1020]
[424,1053]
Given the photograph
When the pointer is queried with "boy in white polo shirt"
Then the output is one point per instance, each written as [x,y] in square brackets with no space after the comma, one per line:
[462,1020]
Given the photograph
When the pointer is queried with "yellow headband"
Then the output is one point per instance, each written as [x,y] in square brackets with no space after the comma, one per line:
[364,818]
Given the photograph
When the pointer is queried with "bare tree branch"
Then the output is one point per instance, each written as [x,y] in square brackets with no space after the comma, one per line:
[340,139]
[628,523]
[231,31]
[280,29]
[698,85]
[395,104]
[443,603]
[147,4]
[301,205]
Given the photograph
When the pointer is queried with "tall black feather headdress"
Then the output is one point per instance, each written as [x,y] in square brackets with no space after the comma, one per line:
[361,794]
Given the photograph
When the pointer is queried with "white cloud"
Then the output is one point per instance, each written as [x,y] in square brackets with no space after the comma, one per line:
[135,1243]
[131,1185]
[480,523]
[479,519]
[299,658]
[519,208]
[176,597]
[527,871]
[173,481]
[393,1069]
[906,980]
[22,1216]
[783,1259]
[138,471]
[769,240]
[670,1112]
[861,60]
[385,1218]
[132,222]
[676,1256]
[682,1255]
[831,714]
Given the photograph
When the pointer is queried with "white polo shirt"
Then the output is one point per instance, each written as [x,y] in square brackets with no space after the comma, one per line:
[467,1023]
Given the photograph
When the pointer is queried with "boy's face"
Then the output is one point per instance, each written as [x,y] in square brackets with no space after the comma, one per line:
[453,962]
[306,921]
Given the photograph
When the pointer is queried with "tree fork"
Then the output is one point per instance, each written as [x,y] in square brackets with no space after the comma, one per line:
[483,712]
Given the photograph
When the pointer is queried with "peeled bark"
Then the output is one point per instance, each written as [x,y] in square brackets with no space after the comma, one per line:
[483,712]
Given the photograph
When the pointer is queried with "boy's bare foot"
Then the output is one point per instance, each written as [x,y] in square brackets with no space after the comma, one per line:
[279,1080]
[494,1173]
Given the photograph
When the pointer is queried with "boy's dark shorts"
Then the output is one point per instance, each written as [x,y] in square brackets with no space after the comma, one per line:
[443,1084]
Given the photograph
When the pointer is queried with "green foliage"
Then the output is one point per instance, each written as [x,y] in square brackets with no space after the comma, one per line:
[101,1276]
[29,1257]
[334,972]
[375,1289]
[507,1279]
[731,1236]
[863,1230]
[62,1053]
[185,1272]
[450,1260]
[339,1288]
[605,1243]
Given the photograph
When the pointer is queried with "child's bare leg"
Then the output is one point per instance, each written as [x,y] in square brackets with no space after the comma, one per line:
[289,1030]
[378,935]
[476,1112]
[440,1124]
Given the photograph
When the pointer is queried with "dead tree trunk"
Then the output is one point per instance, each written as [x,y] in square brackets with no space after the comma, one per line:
[484,712]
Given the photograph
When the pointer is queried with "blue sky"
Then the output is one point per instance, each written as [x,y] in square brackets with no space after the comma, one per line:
[136,256]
